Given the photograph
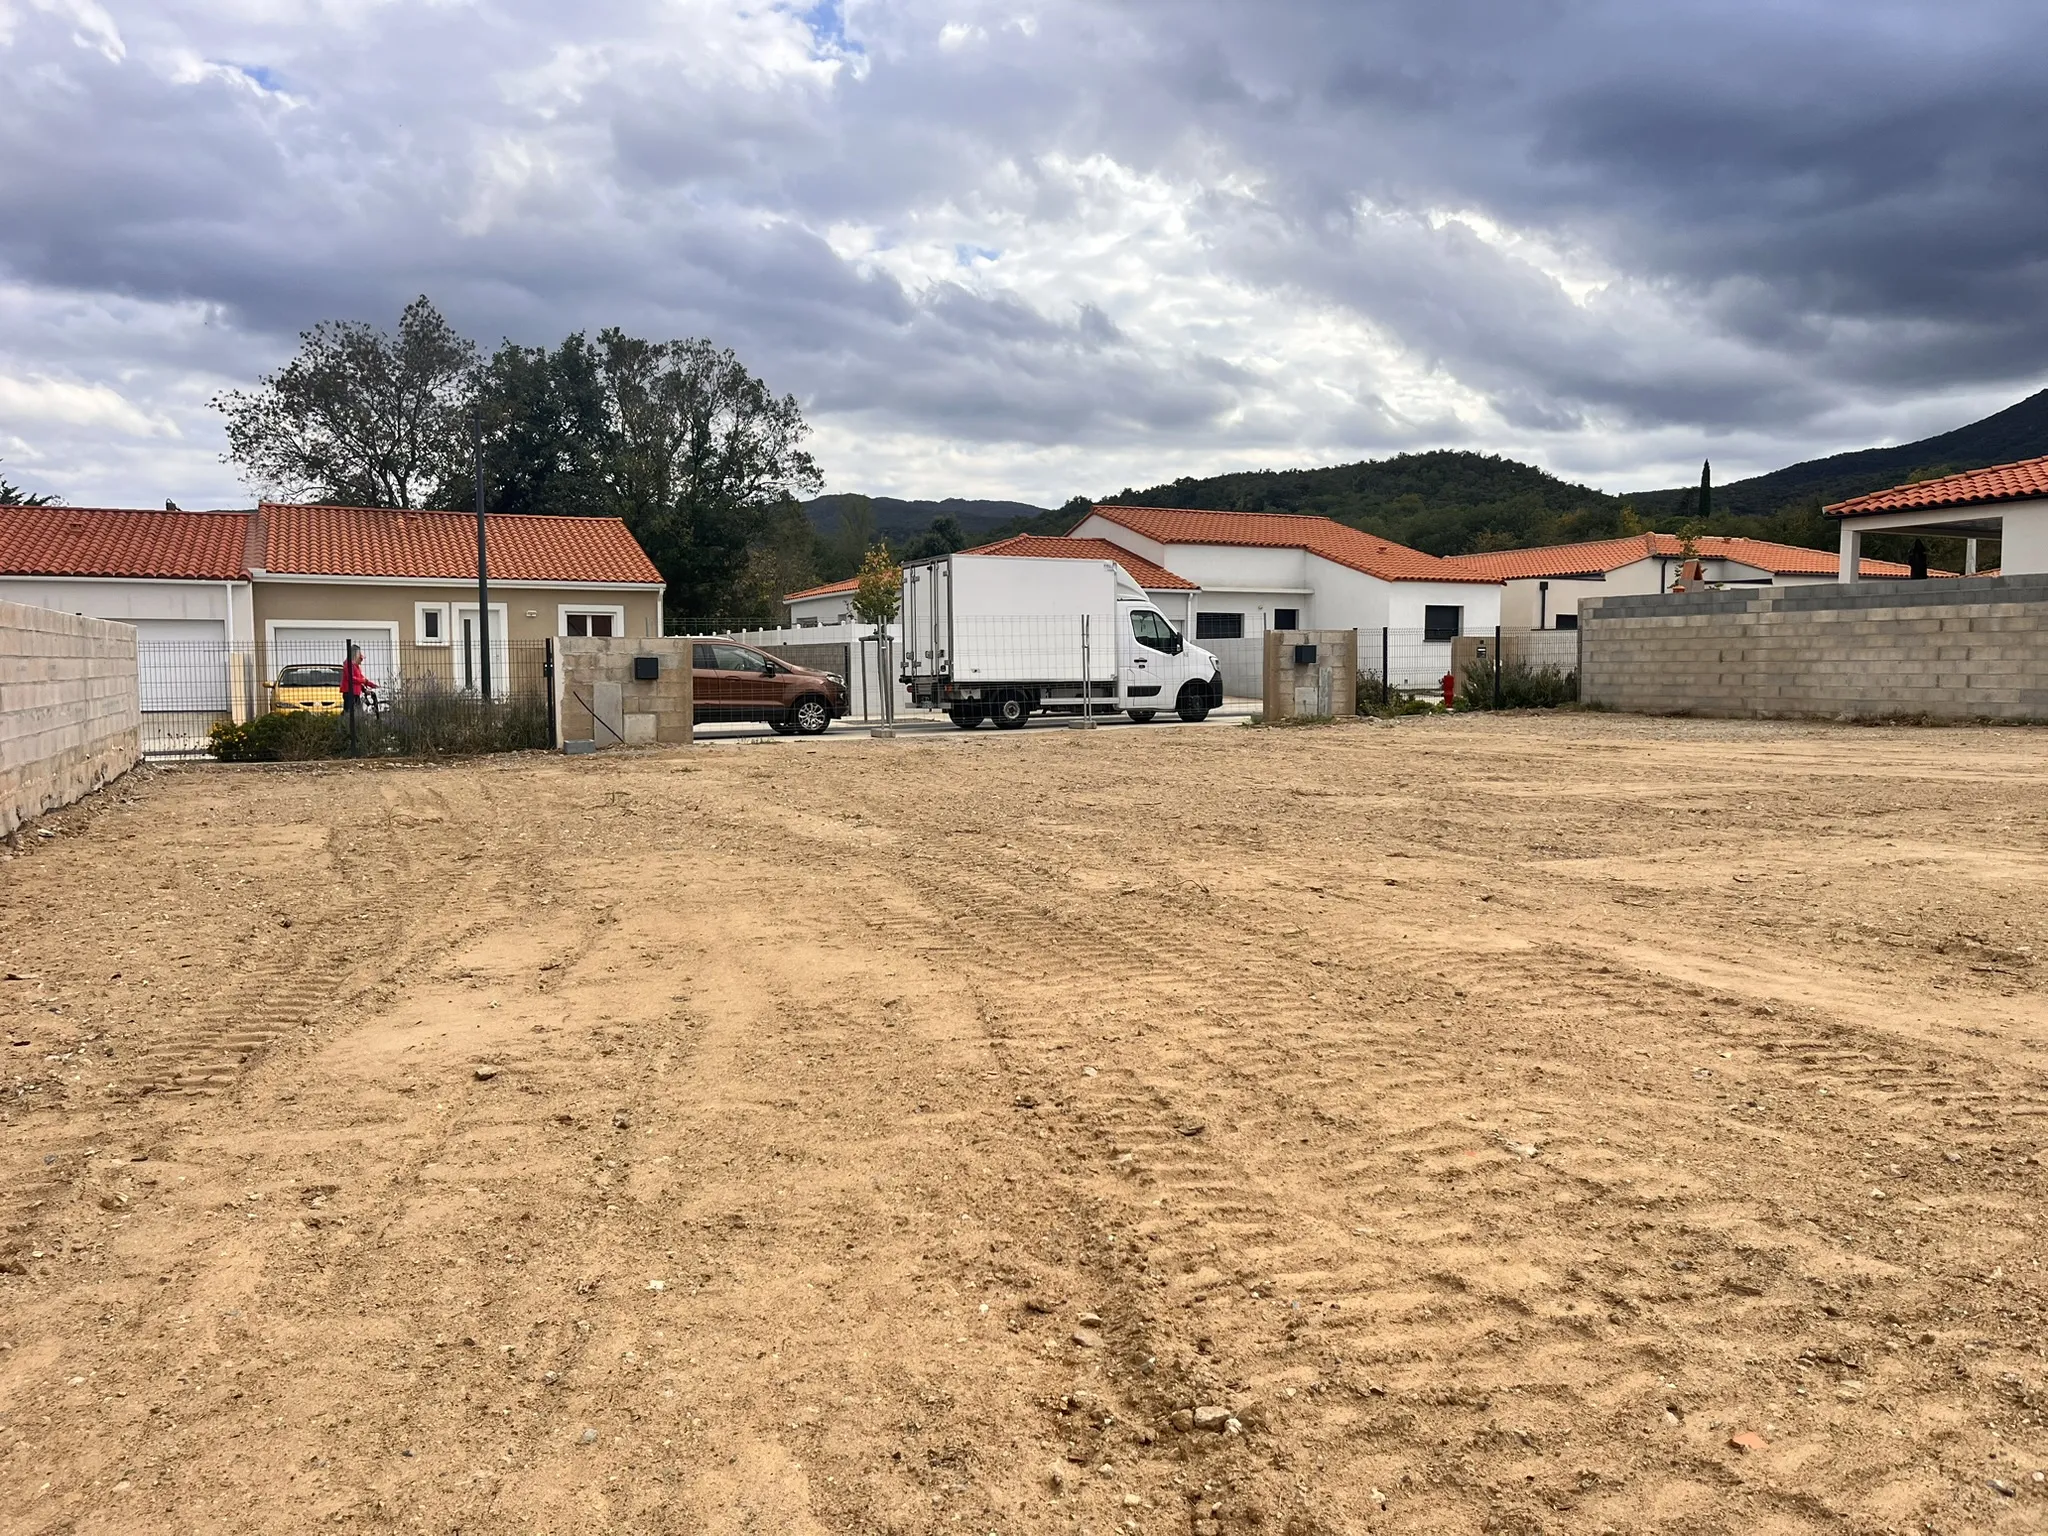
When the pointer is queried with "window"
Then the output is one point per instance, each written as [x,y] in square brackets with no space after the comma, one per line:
[733,658]
[1567,621]
[589,625]
[1442,624]
[430,623]
[702,660]
[1152,631]
[1287,618]
[1219,626]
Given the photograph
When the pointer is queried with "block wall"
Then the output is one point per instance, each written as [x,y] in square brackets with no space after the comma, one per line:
[70,709]
[1968,649]
[596,699]
[1326,686]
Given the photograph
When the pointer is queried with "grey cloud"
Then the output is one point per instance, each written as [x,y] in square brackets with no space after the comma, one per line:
[1816,214]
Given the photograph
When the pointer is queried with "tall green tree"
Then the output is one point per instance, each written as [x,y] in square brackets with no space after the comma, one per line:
[698,454]
[360,416]
[1706,507]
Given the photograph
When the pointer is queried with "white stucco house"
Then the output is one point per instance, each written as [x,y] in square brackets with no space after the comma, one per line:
[2007,502]
[1268,570]
[1542,588]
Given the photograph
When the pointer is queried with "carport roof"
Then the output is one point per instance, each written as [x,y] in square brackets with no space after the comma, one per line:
[2022,480]
[1562,562]
[121,542]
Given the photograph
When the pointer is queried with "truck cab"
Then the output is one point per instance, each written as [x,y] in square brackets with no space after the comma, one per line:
[1004,637]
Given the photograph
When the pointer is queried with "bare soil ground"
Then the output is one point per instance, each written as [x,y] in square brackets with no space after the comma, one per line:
[1493,1118]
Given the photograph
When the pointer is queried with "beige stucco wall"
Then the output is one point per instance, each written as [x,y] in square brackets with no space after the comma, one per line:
[531,613]
[70,709]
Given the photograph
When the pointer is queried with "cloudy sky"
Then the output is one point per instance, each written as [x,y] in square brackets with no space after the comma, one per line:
[1049,247]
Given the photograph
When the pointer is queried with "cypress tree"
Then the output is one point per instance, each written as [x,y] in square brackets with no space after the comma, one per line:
[1706,489]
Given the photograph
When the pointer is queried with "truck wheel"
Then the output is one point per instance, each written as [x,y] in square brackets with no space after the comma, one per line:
[1010,711]
[810,716]
[966,716]
[1142,716]
[1194,703]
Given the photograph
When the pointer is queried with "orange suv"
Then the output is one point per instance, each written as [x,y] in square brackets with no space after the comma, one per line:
[737,682]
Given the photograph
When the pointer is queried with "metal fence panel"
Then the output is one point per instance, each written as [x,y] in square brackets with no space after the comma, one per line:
[422,703]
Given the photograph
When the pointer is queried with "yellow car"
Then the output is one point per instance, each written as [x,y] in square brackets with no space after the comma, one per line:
[310,686]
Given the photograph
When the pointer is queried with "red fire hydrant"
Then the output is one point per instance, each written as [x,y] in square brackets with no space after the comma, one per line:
[1450,686]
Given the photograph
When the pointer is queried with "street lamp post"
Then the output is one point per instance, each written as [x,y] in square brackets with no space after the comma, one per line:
[483,561]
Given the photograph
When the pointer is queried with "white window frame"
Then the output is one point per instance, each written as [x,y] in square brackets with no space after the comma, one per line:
[616,610]
[419,624]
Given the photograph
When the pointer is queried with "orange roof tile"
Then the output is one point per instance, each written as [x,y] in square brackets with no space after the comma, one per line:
[1564,561]
[303,540]
[1146,573]
[107,541]
[2001,482]
[830,589]
[1333,541]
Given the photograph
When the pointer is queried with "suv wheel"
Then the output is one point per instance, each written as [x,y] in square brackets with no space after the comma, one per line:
[1194,703]
[810,716]
[1010,711]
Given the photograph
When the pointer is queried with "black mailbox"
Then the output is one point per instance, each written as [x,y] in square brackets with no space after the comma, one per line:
[1304,655]
[646,669]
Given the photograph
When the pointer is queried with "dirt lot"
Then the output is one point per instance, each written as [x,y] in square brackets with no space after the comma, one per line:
[1494,1119]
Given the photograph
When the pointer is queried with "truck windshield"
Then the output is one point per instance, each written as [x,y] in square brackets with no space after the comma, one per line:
[1151,630]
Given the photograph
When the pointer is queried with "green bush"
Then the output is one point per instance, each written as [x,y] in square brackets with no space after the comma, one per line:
[1521,686]
[1376,700]
[282,736]
[432,721]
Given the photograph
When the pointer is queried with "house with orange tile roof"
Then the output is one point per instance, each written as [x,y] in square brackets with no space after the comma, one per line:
[2007,502]
[1267,570]
[285,584]
[833,603]
[1542,588]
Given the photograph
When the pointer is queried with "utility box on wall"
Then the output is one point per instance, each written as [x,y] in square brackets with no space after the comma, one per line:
[622,692]
[1311,673]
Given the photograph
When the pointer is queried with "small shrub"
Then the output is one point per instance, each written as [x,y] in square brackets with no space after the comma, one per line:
[282,736]
[1373,699]
[1521,686]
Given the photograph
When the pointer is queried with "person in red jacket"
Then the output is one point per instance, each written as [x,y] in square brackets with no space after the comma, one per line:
[355,684]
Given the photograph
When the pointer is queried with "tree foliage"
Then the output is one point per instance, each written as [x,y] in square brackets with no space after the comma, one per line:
[360,416]
[880,593]
[12,495]
[696,454]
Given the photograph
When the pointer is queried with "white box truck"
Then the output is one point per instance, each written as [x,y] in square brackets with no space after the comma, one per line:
[1000,637]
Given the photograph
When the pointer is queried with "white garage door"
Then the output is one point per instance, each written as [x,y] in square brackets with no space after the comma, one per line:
[183,663]
[326,645]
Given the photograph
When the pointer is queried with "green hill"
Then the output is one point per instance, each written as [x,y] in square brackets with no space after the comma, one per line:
[2017,432]
[1444,502]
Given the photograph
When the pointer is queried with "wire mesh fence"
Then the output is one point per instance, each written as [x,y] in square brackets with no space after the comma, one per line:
[285,700]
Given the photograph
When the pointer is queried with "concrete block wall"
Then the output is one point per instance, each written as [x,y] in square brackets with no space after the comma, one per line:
[597,700]
[1968,649]
[1326,686]
[70,709]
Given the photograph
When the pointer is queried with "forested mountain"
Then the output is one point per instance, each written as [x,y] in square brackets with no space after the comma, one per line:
[1444,502]
[2017,432]
[1450,502]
